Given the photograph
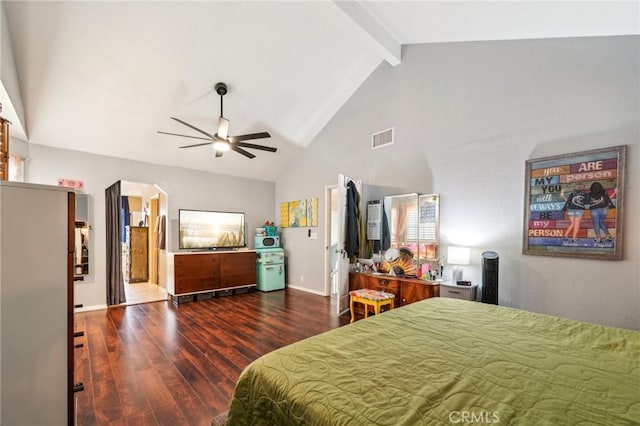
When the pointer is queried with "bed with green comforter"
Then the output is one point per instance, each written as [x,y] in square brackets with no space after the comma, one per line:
[447,361]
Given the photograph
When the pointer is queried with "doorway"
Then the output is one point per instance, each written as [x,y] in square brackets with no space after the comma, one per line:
[142,204]
[337,240]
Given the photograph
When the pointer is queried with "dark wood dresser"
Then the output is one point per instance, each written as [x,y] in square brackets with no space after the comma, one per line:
[406,290]
[197,273]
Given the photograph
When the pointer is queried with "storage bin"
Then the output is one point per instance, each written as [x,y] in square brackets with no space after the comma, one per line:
[204,296]
[272,231]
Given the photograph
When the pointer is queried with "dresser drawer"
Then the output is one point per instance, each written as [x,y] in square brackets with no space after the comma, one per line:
[385,284]
[415,291]
[458,292]
[193,284]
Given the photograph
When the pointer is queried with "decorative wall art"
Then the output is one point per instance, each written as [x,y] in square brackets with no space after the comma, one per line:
[573,205]
[312,211]
[284,215]
[299,213]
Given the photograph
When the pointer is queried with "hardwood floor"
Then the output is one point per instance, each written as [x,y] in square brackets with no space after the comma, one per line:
[155,364]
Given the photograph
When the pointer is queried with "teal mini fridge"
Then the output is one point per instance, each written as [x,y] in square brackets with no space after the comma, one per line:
[270,269]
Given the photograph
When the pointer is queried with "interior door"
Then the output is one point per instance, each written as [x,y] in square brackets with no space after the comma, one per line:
[342,298]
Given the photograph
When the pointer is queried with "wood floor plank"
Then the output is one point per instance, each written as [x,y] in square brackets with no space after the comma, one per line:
[108,407]
[206,359]
[182,392]
[161,399]
[186,397]
[146,418]
[133,400]
[157,364]
[211,396]
[182,353]
[192,364]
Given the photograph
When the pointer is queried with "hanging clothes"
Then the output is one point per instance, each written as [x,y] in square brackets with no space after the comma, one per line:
[125,217]
[352,241]
[385,241]
[366,246]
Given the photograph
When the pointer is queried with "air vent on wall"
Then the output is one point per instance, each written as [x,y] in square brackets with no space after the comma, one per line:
[383,138]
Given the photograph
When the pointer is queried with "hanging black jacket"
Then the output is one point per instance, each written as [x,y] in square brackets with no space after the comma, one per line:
[352,239]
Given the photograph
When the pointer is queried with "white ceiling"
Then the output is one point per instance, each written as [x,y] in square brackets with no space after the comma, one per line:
[103,77]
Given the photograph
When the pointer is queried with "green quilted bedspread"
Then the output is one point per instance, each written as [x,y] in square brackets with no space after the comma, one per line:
[447,361]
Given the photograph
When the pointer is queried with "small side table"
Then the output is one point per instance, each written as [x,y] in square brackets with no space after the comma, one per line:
[369,297]
[455,291]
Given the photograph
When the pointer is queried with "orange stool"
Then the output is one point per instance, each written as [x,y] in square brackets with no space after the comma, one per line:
[369,297]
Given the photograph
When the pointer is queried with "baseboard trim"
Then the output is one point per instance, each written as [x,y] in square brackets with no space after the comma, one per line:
[295,287]
[89,308]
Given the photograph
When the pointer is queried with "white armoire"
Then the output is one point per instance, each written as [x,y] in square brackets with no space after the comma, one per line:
[36,304]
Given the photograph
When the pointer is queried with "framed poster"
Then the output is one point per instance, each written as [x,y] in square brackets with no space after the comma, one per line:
[574,205]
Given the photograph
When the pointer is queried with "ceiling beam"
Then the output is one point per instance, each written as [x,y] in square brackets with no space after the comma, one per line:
[382,41]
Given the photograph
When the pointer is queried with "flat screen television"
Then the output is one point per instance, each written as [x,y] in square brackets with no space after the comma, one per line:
[210,230]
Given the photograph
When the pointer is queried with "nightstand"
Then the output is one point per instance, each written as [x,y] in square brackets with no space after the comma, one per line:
[458,291]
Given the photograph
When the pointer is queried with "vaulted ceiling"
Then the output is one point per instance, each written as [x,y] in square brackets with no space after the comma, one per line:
[104,77]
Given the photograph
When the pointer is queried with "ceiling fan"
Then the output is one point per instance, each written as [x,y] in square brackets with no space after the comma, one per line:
[221,140]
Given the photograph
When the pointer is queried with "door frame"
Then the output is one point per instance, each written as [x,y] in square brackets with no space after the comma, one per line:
[342,298]
[162,254]
[154,209]
[328,204]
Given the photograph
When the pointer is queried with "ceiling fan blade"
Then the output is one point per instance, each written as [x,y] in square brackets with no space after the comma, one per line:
[249,136]
[184,136]
[242,151]
[198,144]
[219,154]
[254,146]
[193,127]
[223,128]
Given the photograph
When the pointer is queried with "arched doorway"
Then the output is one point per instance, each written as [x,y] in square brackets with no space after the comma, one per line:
[137,254]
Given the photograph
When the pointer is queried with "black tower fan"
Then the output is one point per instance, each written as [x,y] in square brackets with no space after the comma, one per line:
[490,277]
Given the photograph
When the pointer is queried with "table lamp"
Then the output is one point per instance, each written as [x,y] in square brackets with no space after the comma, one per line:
[458,256]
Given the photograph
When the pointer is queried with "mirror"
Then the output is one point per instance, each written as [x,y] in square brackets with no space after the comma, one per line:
[401,211]
[428,227]
[81,258]
[410,236]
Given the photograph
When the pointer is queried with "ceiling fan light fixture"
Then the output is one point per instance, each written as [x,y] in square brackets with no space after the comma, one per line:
[221,141]
[221,146]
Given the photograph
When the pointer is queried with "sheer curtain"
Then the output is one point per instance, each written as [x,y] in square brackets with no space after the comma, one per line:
[399,219]
[115,280]
[16,168]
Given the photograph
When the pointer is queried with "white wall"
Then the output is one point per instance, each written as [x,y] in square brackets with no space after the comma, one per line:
[467,116]
[184,189]
[10,96]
